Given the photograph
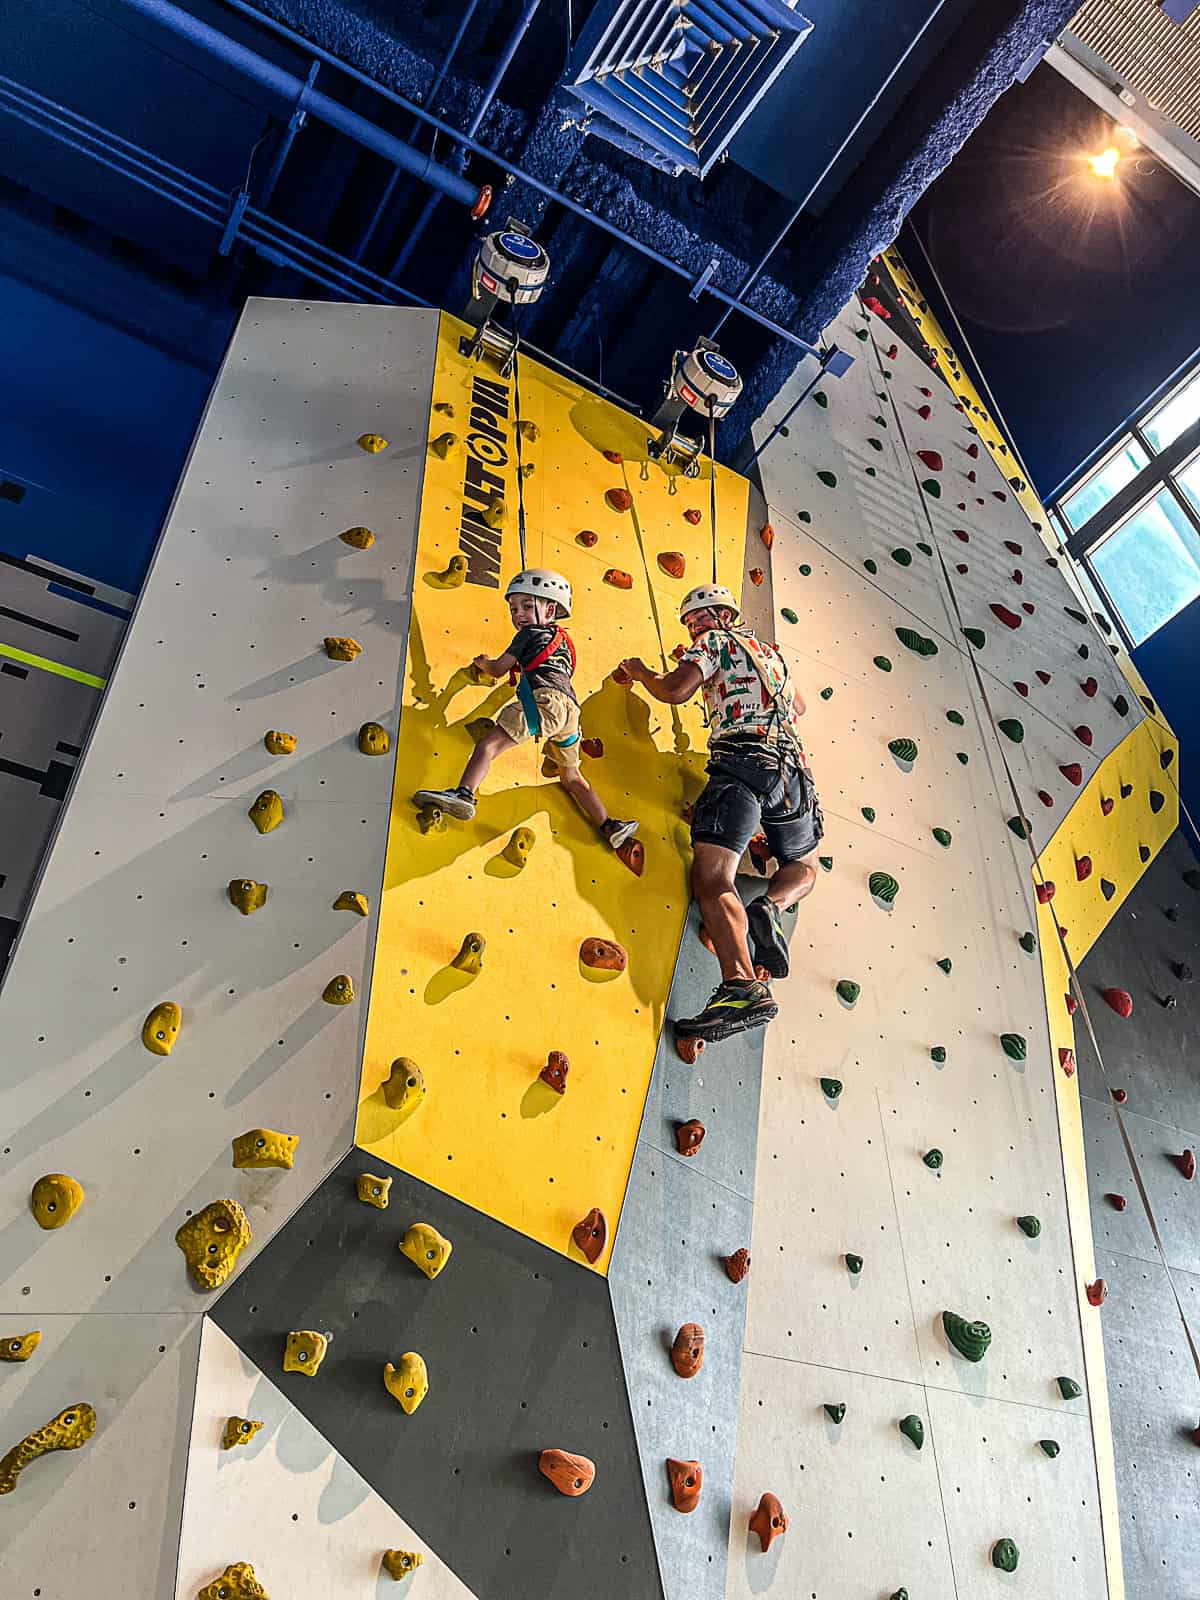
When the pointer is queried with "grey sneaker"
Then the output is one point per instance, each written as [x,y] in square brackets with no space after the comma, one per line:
[458,803]
[618,833]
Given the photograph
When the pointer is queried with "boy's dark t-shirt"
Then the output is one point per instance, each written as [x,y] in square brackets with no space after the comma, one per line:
[555,671]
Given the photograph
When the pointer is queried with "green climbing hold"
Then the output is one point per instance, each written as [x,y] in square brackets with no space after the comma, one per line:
[1005,1555]
[933,1159]
[883,663]
[854,1264]
[975,636]
[900,1594]
[871,566]
[956,717]
[804,516]
[829,479]
[943,837]
[835,1413]
[826,863]
[970,1339]
[925,549]
[861,333]
[902,557]
[883,887]
[946,965]
[1020,826]
[831,1088]
[913,1429]
[870,472]
[820,398]
[1029,1226]
[848,991]
[868,812]
[912,640]
[1014,1046]
[876,444]
[1028,942]
[938,1054]
[789,615]
[932,488]
[903,749]
[827,694]
[805,570]
[1050,1446]
[1069,1389]
[1011,729]
[962,756]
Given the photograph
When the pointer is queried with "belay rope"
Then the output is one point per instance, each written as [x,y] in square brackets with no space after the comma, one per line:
[712,483]
[516,389]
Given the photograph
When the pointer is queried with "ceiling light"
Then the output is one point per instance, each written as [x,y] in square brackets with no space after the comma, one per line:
[1105,164]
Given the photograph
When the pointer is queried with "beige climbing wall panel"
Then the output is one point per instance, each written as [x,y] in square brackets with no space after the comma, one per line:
[848,1175]
[133,906]
[286,1501]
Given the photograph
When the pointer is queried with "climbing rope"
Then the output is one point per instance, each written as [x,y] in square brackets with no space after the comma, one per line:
[1074,979]
[517,426]
[712,483]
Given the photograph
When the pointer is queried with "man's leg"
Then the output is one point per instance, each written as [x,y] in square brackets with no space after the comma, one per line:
[714,871]
[793,882]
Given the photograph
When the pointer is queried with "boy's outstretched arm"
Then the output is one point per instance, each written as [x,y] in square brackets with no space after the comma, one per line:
[672,688]
[500,667]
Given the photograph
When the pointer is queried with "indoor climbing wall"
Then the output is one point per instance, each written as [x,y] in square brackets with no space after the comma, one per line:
[149,899]
[964,712]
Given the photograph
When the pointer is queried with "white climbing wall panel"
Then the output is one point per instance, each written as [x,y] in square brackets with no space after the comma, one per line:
[132,909]
[869,1513]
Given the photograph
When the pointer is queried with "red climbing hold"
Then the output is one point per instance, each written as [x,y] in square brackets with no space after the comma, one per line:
[1120,1000]
[971,475]
[928,393]
[973,451]
[1089,687]
[1072,772]
[1017,575]
[756,576]
[1028,607]
[1045,892]
[593,748]
[892,352]
[619,499]
[633,854]
[1010,619]
[1117,1201]
[1097,1292]
[961,533]
[931,459]
[1046,799]
[877,306]
[1186,1162]
[614,456]
[962,568]
[1066,1060]
[587,538]
[999,494]
[1012,547]
[1021,688]
[1120,1096]
[1083,867]
[1106,804]
[693,516]
[924,412]
[1072,1004]
[1084,734]
[1043,677]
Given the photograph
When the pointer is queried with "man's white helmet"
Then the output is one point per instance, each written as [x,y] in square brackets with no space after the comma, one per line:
[542,584]
[708,594]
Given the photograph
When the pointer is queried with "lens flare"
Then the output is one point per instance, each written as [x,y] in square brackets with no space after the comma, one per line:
[1105,164]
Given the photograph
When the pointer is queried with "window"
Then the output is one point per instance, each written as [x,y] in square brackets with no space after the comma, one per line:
[1150,564]
[1165,425]
[1188,479]
[1095,492]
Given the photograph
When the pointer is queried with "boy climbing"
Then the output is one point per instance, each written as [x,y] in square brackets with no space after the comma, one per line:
[757,776]
[540,662]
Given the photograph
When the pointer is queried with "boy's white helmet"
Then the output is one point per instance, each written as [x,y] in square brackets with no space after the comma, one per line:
[708,594]
[542,584]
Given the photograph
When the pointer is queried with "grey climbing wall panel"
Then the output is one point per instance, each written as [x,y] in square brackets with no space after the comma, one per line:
[522,1356]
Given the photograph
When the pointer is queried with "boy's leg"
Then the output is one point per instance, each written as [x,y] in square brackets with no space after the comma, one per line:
[584,796]
[460,801]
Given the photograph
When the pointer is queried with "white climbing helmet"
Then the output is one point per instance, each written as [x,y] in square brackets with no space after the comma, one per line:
[542,584]
[708,594]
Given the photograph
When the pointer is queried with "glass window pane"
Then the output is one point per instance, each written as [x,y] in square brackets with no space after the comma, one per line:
[1150,565]
[1178,413]
[1188,479]
[1120,468]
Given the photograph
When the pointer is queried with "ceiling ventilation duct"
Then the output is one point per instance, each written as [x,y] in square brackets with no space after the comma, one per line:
[673,80]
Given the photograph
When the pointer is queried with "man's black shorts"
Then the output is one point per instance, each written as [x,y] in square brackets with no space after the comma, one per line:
[759,787]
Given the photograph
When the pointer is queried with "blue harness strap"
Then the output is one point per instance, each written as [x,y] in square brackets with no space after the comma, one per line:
[529,706]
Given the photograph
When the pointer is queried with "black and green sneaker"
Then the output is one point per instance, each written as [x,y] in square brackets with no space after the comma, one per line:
[731,1008]
[767,942]
[458,802]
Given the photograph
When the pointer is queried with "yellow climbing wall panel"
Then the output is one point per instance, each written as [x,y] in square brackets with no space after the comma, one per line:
[488,1130]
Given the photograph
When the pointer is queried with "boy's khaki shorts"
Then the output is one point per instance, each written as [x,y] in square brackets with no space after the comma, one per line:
[559,716]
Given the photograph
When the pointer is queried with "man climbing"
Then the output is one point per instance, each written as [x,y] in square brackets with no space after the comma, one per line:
[539,662]
[757,777]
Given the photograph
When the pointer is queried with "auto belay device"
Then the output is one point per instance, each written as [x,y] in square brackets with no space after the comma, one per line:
[702,380]
[511,268]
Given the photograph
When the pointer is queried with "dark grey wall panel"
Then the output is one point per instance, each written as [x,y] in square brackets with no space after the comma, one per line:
[522,1354]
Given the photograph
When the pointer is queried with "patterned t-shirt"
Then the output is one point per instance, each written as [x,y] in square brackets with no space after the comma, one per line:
[737,703]
[555,672]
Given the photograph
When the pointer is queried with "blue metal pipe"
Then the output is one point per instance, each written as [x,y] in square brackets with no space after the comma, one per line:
[317,104]
[485,105]
[295,122]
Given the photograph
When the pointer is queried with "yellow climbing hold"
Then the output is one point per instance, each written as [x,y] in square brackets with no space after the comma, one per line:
[470,955]
[237,1582]
[247,895]
[67,1431]
[267,811]
[238,1430]
[482,680]
[443,444]
[408,1383]
[352,900]
[431,819]
[279,744]
[529,430]
[444,406]
[454,576]
[495,512]
[358,538]
[161,1028]
[372,1190]
[342,649]
[372,443]
[305,1351]
[262,1147]
[339,991]
[401,1563]
[404,1087]
[212,1241]
[374,739]
[55,1199]
[478,727]
[518,847]
[426,1248]
[19,1346]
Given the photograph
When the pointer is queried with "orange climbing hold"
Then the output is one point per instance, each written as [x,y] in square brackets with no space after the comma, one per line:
[614,456]
[570,1475]
[756,576]
[767,534]
[1097,1293]
[688,1049]
[590,1233]
[692,515]
[555,1071]
[587,538]
[616,579]
[672,562]
[603,955]
[769,1521]
[619,499]
[1066,1060]
[633,854]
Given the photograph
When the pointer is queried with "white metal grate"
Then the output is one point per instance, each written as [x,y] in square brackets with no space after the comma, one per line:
[1157,58]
